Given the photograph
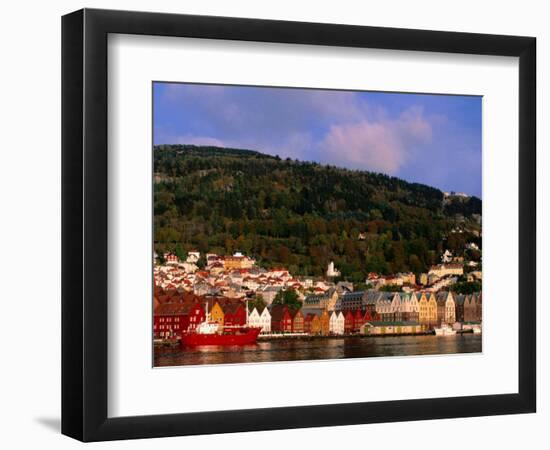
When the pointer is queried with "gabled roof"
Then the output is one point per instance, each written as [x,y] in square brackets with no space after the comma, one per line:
[278,312]
[441,296]
[459,299]
[172,309]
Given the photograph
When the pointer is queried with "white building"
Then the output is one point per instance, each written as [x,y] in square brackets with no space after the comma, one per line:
[261,320]
[254,318]
[336,323]
[447,257]
[265,321]
[332,271]
[441,270]
[193,257]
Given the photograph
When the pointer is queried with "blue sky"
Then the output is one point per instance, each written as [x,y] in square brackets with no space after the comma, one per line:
[430,139]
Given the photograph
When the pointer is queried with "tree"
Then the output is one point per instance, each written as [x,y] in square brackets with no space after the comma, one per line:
[257,302]
[180,253]
[362,286]
[302,215]
[466,287]
[391,288]
[201,263]
[160,257]
[287,297]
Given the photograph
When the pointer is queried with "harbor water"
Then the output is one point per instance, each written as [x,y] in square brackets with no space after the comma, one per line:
[316,349]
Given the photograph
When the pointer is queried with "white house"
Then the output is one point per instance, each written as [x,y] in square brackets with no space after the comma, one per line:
[193,257]
[265,321]
[447,257]
[409,306]
[336,323]
[396,306]
[254,319]
[442,270]
[384,306]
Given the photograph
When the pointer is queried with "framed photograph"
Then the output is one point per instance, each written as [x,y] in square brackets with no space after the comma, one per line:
[272,224]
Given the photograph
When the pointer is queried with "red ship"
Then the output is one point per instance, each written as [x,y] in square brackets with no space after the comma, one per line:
[211,333]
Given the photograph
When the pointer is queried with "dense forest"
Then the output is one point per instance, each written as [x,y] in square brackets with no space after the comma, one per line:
[303,215]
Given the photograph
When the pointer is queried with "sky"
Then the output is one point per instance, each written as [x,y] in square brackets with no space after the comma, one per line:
[429,139]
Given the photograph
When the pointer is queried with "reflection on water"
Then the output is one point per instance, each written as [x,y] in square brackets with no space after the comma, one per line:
[296,349]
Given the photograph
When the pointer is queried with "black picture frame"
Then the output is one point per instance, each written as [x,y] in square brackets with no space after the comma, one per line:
[84,224]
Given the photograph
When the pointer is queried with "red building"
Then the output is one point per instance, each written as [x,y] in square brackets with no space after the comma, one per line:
[171,258]
[170,320]
[367,317]
[359,320]
[349,322]
[196,315]
[281,319]
[234,315]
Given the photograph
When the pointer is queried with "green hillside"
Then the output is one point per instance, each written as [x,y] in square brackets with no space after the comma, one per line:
[302,215]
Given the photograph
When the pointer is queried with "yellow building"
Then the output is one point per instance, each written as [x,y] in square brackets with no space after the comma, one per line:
[324,322]
[238,261]
[217,313]
[427,309]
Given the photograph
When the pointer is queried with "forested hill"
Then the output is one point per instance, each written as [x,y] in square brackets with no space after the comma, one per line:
[302,215]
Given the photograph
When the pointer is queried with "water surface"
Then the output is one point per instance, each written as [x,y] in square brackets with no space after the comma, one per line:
[333,348]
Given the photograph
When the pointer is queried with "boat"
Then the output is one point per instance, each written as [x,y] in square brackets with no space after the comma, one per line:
[444,330]
[210,332]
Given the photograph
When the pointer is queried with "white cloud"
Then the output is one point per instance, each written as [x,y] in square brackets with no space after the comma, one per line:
[381,145]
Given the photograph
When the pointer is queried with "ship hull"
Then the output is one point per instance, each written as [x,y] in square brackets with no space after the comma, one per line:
[244,337]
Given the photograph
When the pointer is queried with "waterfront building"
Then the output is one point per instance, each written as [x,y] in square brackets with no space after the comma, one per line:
[196,315]
[234,314]
[298,322]
[336,323]
[358,320]
[404,327]
[217,314]
[409,307]
[349,321]
[396,307]
[384,310]
[281,319]
[265,320]
[254,318]
[445,307]
[459,307]
[427,309]
[170,320]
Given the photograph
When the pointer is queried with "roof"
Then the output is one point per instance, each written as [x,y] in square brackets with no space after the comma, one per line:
[315,311]
[278,311]
[459,299]
[172,309]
